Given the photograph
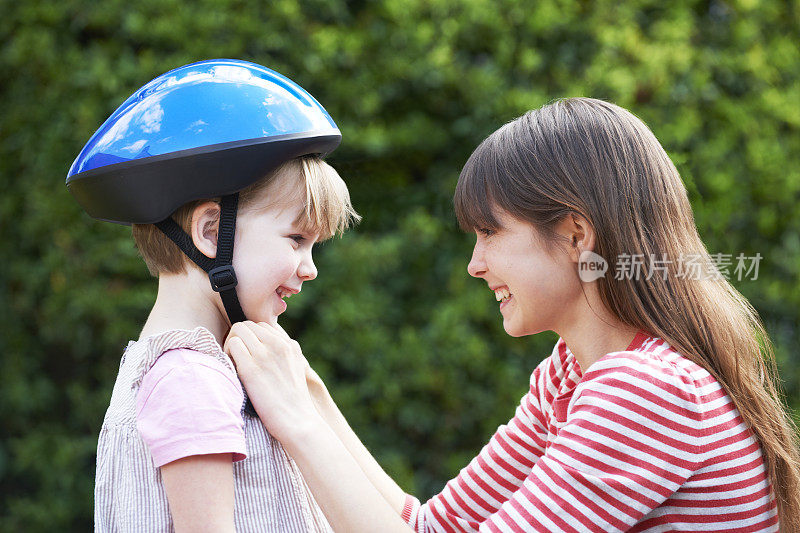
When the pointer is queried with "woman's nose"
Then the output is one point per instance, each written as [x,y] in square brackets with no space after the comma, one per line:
[477,265]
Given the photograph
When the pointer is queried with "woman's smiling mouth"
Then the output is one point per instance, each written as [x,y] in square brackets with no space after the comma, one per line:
[503,295]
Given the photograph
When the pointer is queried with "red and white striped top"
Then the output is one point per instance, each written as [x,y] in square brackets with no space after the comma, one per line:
[646,440]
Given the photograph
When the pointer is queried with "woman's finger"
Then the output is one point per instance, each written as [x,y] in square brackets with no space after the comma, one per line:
[255,344]
[270,336]
[249,341]
[272,329]
[239,354]
[231,334]
[276,329]
[280,330]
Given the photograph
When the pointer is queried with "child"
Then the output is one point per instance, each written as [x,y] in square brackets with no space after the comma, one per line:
[201,157]
[656,411]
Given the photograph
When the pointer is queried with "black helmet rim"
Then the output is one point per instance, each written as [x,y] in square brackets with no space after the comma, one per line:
[150,189]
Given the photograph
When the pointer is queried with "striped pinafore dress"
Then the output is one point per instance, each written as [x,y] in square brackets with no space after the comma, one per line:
[270,493]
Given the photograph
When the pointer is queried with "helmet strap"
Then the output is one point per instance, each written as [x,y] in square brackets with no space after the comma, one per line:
[220,269]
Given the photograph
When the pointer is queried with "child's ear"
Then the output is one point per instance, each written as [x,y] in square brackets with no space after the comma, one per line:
[205,227]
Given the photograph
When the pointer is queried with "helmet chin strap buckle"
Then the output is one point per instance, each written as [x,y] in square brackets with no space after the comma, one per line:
[220,269]
[223,278]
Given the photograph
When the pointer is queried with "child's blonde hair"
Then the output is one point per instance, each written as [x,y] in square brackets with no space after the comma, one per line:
[327,209]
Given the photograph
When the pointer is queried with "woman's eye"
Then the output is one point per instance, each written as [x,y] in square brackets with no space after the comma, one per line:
[297,238]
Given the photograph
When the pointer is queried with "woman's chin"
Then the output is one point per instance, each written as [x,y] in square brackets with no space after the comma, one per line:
[512,329]
[515,329]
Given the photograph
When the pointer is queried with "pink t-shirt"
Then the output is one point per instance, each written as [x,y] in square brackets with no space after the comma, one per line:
[190,404]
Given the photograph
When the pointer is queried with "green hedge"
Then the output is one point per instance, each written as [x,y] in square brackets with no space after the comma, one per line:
[411,347]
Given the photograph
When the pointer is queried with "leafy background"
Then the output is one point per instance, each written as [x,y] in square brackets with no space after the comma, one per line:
[410,346]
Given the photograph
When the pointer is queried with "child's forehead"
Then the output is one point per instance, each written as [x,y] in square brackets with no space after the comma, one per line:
[311,191]
[287,185]
[282,191]
[279,207]
[287,209]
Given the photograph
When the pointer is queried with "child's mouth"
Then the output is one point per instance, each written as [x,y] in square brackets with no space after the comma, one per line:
[283,292]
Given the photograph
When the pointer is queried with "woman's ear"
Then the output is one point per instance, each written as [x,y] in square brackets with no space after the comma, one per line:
[579,233]
[205,228]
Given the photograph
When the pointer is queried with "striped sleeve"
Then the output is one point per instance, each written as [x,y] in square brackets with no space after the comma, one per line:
[498,471]
[629,439]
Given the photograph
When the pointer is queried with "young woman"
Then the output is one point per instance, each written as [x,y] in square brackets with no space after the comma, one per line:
[658,408]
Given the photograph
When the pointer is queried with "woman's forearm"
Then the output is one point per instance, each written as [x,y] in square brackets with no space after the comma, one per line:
[392,493]
[350,500]
[281,386]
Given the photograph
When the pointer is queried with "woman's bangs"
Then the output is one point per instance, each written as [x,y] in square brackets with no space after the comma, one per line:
[473,198]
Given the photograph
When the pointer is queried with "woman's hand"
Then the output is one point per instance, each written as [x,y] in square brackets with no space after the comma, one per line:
[276,376]
[354,492]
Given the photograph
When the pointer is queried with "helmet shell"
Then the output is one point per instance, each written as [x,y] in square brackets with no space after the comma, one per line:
[201,130]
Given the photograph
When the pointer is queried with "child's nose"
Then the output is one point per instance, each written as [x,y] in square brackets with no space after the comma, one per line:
[307,270]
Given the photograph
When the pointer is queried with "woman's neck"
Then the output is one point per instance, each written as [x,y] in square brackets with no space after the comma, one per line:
[593,331]
[589,345]
[183,303]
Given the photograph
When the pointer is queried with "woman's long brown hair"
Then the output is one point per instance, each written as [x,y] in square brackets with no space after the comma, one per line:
[590,157]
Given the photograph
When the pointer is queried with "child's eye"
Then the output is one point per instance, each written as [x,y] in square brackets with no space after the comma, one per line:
[299,239]
[486,232]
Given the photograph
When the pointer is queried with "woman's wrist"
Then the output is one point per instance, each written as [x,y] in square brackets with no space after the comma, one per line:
[347,497]
[321,398]
[290,420]
[303,432]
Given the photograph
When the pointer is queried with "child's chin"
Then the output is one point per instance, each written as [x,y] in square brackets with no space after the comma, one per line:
[269,318]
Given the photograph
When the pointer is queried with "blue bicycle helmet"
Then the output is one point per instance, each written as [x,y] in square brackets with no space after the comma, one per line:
[204,130]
